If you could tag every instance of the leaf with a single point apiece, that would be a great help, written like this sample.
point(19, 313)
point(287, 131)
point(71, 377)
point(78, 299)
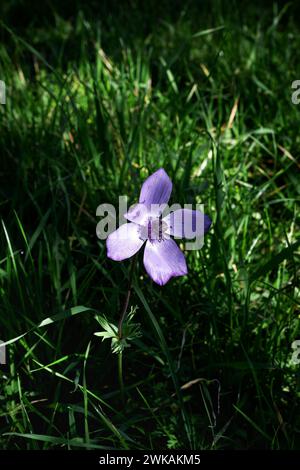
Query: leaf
point(266, 436)
point(49, 320)
point(286, 253)
point(75, 442)
point(130, 331)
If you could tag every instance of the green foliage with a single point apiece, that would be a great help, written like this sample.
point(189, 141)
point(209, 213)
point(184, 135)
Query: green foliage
point(98, 98)
point(130, 331)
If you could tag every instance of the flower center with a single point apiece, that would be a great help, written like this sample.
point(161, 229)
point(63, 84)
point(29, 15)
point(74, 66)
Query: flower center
point(155, 229)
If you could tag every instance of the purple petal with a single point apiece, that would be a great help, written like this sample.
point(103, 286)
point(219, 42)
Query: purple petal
point(156, 189)
point(124, 242)
point(186, 223)
point(163, 260)
point(207, 223)
point(140, 213)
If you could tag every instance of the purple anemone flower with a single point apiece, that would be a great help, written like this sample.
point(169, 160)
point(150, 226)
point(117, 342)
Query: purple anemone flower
point(162, 257)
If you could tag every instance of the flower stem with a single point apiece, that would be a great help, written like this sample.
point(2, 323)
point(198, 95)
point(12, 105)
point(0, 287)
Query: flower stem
point(120, 375)
point(125, 306)
point(120, 328)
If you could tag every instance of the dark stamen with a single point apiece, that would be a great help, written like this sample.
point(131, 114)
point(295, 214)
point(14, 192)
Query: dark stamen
point(149, 229)
point(160, 228)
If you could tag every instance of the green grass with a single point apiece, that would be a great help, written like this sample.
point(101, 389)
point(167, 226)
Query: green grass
point(97, 99)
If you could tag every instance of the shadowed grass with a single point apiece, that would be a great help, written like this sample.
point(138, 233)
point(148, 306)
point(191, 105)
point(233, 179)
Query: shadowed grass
point(95, 103)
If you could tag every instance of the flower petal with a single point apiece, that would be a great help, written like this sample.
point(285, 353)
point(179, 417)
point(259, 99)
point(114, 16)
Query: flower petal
point(141, 213)
point(156, 189)
point(186, 223)
point(163, 260)
point(124, 242)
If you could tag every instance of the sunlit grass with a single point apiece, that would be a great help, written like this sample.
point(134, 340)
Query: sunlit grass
point(91, 111)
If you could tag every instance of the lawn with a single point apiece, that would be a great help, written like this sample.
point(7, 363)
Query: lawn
point(100, 95)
